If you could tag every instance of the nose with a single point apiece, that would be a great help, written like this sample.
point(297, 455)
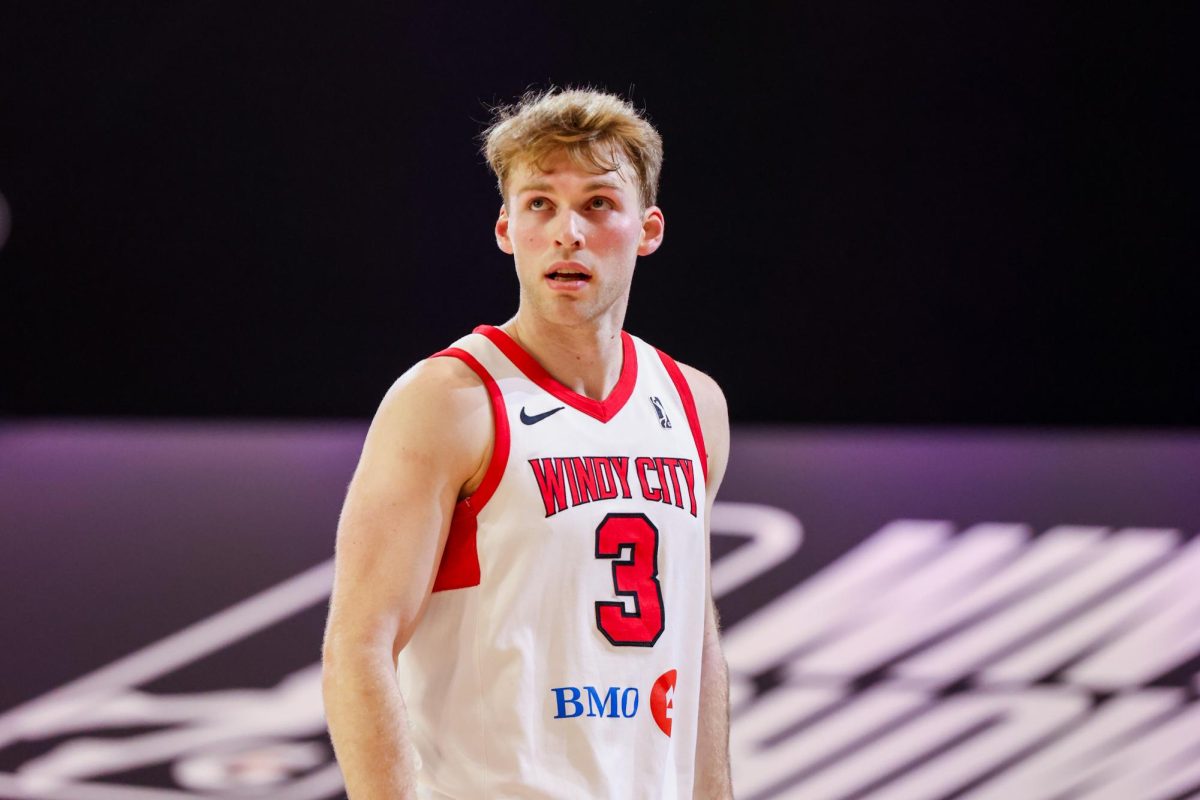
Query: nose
point(570, 230)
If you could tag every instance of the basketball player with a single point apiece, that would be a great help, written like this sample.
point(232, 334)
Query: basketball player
point(527, 530)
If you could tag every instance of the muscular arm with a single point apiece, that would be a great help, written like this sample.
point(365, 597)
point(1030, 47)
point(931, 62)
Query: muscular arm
point(713, 781)
point(427, 445)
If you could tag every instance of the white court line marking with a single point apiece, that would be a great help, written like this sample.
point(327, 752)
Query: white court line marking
point(188, 645)
point(14, 788)
point(775, 535)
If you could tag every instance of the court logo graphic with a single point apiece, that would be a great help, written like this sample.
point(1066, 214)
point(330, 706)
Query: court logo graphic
point(106, 737)
point(990, 663)
point(662, 701)
point(927, 662)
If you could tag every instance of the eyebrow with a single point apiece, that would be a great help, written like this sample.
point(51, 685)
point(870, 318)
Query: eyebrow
point(590, 186)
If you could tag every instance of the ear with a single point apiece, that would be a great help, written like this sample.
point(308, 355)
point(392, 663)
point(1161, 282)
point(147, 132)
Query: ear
point(502, 240)
point(653, 225)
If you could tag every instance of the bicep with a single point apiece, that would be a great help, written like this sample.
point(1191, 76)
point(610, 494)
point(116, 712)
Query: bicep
point(423, 445)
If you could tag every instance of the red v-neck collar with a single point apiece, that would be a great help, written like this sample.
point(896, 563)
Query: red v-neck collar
point(603, 410)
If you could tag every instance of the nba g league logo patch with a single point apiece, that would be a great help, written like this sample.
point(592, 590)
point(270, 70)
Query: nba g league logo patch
point(663, 419)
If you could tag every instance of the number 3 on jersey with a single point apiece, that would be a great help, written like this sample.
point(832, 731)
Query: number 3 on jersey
point(635, 576)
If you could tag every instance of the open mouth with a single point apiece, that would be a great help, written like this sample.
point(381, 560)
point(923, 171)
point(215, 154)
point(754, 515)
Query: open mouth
point(568, 272)
point(562, 275)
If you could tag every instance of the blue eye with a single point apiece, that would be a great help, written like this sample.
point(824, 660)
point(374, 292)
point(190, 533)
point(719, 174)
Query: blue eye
point(537, 203)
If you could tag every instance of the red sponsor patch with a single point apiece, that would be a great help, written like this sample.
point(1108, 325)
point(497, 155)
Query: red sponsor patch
point(662, 701)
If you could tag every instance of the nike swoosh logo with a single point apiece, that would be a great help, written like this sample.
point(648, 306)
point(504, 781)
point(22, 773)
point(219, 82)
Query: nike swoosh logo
point(528, 420)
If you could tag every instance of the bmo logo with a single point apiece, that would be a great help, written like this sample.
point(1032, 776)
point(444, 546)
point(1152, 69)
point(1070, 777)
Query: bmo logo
point(616, 702)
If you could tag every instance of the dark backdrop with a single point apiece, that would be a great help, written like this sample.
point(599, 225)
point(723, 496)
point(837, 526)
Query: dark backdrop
point(877, 212)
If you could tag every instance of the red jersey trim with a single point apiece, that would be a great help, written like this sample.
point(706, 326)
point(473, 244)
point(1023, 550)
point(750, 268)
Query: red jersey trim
point(689, 407)
point(459, 567)
point(603, 410)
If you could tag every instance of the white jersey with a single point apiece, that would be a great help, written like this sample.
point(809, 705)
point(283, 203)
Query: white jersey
point(559, 655)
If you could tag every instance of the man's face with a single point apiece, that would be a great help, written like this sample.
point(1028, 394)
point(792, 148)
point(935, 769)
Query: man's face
point(575, 236)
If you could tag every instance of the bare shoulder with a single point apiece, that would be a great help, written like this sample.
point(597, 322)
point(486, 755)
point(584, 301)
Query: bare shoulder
point(714, 420)
point(437, 414)
point(707, 393)
point(442, 386)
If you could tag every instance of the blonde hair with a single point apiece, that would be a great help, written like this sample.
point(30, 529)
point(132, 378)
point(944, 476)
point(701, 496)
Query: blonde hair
point(593, 128)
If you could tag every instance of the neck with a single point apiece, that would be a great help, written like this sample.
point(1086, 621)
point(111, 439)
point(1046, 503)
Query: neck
point(587, 359)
